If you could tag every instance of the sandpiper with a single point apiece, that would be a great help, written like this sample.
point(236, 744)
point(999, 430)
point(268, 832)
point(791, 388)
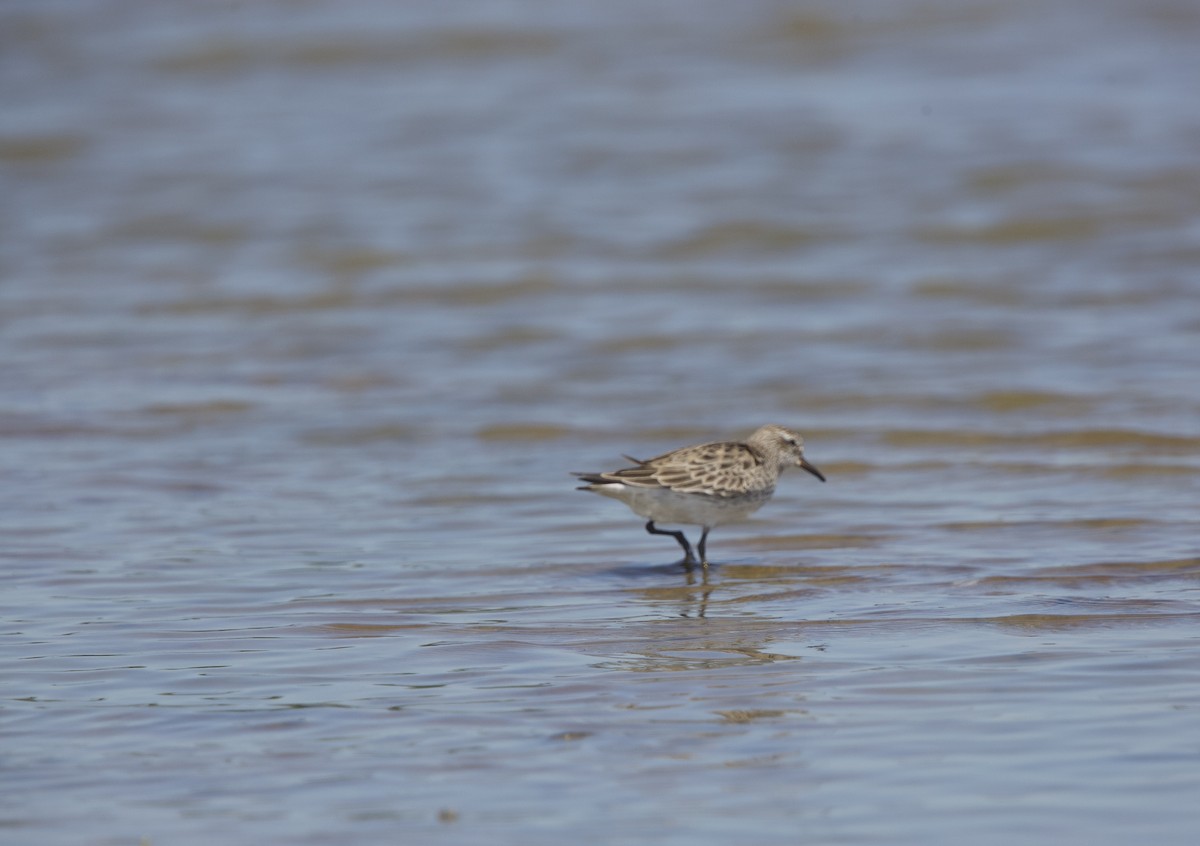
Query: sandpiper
point(706, 484)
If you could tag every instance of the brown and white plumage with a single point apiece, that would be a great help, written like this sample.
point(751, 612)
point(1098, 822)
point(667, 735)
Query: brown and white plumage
point(706, 484)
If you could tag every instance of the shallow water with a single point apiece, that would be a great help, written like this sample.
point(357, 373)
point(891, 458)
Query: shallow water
point(308, 310)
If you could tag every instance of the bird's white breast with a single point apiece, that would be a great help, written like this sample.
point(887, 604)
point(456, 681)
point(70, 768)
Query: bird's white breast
point(667, 506)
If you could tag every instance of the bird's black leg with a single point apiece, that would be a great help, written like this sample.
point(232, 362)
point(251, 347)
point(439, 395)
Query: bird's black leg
point(688, 557)
point(700, 547)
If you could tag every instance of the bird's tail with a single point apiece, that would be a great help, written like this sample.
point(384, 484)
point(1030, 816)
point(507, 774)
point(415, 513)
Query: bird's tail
point(590, 478)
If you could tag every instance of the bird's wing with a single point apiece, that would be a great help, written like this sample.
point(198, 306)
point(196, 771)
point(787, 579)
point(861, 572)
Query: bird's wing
point(717, 469)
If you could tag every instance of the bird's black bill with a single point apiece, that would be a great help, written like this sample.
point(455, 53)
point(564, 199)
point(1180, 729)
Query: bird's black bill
point(811, 468)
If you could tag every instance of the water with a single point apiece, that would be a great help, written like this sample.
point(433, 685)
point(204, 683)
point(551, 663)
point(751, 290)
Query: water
point(308, 309)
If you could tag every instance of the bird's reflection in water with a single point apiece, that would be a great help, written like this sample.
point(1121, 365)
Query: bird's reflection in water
point(696, 579)
point(682, 588)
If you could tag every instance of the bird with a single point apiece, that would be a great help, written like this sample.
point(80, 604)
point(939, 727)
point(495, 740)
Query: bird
point(704, 485)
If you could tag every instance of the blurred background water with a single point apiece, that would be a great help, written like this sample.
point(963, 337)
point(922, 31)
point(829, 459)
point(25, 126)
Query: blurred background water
point(307, 308)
